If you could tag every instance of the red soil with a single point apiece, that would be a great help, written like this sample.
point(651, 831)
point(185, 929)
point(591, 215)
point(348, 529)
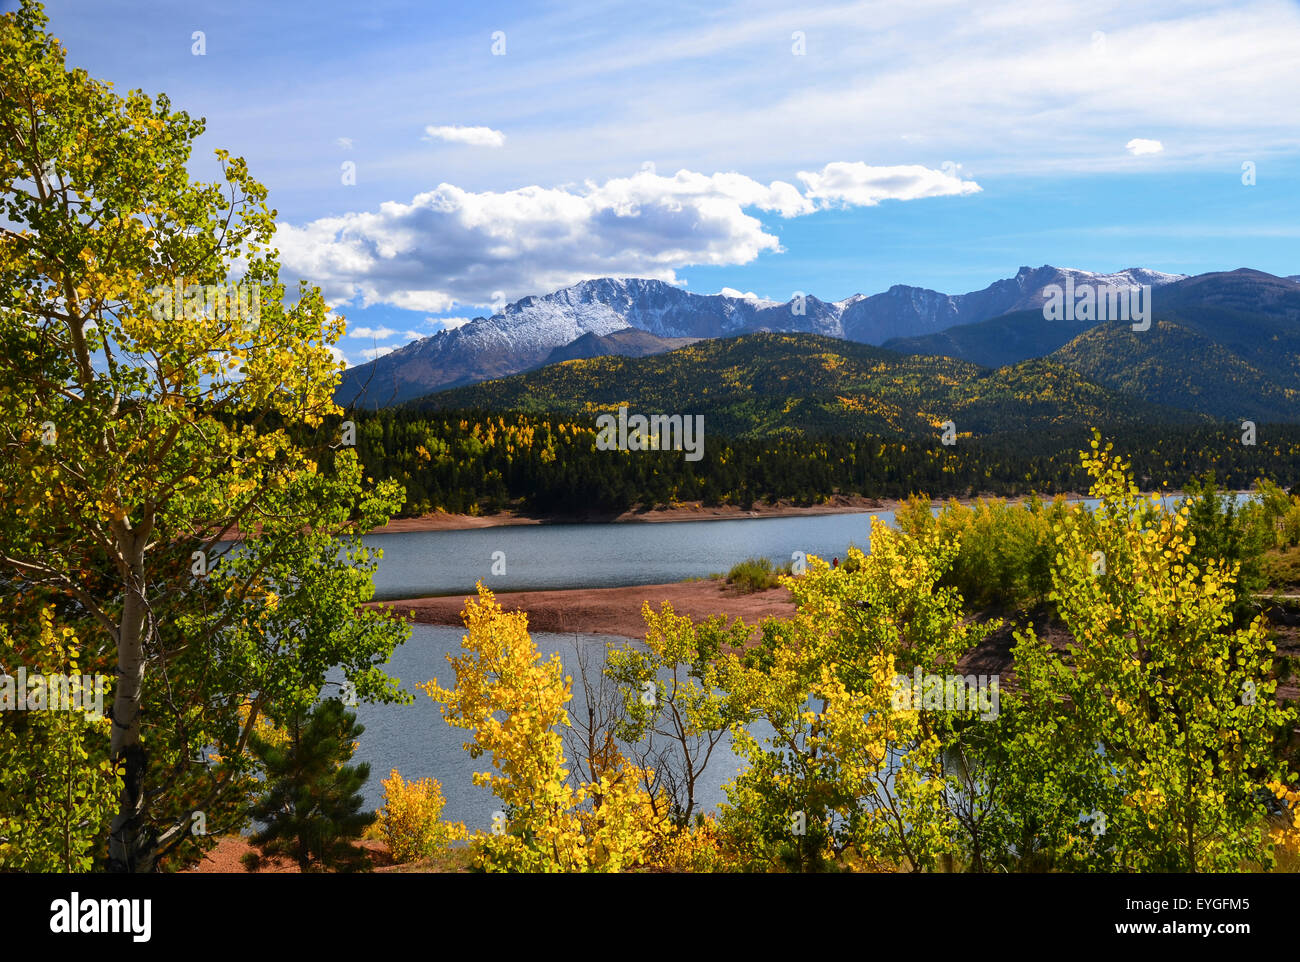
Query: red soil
point(611, 611)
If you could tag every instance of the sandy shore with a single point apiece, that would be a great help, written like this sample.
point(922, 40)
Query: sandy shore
point(689, 511)
point(610, 611)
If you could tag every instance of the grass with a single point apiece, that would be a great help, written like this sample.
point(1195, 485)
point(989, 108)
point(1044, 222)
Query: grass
point(453, 859)
point(1281, 568)
point(755, 574)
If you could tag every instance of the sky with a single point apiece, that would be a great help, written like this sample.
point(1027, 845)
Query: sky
point(431, 160)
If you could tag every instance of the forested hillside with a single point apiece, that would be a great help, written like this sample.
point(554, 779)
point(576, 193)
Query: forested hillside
point(764, 385)
point(478, 461)
point(1176, 362)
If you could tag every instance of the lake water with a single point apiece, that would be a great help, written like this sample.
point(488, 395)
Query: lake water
point(416, 741)
point(552, 556)
point(549, 556)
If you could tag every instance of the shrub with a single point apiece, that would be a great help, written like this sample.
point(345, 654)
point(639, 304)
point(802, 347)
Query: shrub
point(410, 820)
point(514, 703)
point(1236, 535)
point(696, 848)
point(752, 574)
point(1005, 550)
point(1290, 527)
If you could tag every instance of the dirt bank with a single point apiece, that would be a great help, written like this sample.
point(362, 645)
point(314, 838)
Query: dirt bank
point(687, 511)
point(611, 611)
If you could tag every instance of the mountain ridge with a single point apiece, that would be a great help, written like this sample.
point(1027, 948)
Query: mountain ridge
point(525, 333)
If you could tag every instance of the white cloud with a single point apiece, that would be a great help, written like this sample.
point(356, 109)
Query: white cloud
point(857, 184)
point(474, 136)
point(732, 292)
point(1140, 145)
point(339, 356)
point(376, 333)
point(451, 246)
point(720, 89)
point(448, 323)
point(413, 335)
point(1004, 91)
point(370, 353)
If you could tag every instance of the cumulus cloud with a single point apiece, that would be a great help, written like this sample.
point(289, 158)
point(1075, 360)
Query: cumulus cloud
point(1140, 145)
point(451, 246)
point(448, 323)
point(370, 353)
point(474, 136)
point(377, 333)
point(858, 185)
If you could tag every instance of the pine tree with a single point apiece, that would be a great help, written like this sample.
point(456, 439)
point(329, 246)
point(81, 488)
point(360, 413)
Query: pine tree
point(311, 809)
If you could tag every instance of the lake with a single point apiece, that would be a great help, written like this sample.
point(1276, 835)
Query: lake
point(552, 556)
point(417, 742)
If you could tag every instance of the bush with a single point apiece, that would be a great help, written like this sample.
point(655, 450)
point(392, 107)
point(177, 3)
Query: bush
point(1221, 530)
point(753, 574)
point(310, 808)
point(410, 820)
point(1290, 527)
point(695, 849)
point(1005, 553)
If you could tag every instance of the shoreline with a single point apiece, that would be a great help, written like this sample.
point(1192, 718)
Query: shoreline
point(616, 613)
point(689, 511)
point(607, 611)
point(692, 511)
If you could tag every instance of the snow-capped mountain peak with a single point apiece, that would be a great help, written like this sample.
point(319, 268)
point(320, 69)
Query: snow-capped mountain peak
point(524, 333)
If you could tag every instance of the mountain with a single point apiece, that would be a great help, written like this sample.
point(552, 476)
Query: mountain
point(1022, 332)
point(1252, 313)
point(998, 341)
point(803, 384)
point(915, 312)
point(1173, 363)
point(1242, 310)
point(628, 342)
point(525, 333)
point(1225, 344)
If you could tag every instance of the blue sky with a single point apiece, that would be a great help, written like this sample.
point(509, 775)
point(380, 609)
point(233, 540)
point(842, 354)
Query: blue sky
point(831, 149)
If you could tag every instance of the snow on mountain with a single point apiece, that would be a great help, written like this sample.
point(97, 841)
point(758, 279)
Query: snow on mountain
point(524, 333)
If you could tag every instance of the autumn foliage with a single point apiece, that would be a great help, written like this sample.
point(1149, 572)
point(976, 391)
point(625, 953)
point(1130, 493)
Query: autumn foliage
point(513, 702)
point(1150, 744)
point(410, 820)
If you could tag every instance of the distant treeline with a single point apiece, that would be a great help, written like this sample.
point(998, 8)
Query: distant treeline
point(477, 461)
